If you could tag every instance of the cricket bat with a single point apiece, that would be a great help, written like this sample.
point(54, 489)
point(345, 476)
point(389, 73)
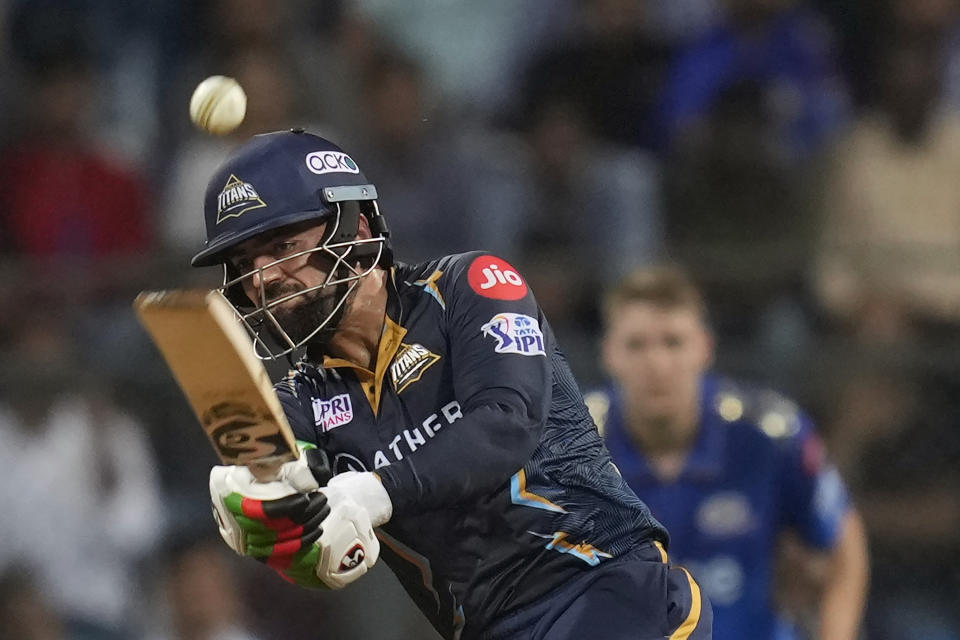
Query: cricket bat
point(212, 358)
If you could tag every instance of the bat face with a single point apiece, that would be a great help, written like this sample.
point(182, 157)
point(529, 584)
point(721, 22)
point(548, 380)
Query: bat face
point(213, 360)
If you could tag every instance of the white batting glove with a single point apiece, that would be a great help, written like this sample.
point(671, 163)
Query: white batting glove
point(311, 537)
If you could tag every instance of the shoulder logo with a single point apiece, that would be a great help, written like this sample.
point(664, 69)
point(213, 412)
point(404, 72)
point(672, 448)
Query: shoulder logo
point(332, 413)
point(321, 162)
point(236, 198)
point(409, 364)
point(515, 333)
point(495, 278)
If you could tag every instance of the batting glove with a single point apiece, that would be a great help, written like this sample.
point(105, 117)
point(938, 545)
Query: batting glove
point(312, 536)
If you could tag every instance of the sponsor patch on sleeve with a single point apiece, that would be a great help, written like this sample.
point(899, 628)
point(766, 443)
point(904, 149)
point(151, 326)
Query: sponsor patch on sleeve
point(515, 333)
point(495, 278)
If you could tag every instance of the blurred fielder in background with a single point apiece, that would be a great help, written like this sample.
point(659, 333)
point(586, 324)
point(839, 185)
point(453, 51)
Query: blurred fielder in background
point(437, 397)
point(727, 468)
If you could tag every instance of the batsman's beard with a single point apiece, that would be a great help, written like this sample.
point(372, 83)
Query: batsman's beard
point(304, 314)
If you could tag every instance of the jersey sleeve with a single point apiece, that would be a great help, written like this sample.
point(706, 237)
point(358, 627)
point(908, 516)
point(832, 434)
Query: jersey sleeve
point(498, 347)
point(297, 407)
point(815, 500)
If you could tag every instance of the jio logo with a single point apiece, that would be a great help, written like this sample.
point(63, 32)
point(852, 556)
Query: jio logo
point(495, 278)
point(494, 274)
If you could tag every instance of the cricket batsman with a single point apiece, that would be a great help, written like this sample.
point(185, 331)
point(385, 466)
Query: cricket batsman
point(441, 425)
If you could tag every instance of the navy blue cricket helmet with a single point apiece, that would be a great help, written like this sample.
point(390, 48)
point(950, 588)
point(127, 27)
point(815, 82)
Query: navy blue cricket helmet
point(278, 179)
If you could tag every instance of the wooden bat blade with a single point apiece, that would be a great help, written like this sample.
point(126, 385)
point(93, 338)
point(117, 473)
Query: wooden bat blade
point(212, 358)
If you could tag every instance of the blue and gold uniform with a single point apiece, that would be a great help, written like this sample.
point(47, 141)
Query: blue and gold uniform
point(505, 501)
point(509, 520)
point(755, 469)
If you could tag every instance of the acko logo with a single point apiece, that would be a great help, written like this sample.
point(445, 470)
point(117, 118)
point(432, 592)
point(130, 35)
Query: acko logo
point(321, 162)
point(332, 413)
point(515, 333)
point(494, 278)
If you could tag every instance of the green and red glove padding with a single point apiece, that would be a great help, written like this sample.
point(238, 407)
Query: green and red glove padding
point(278, 529)
point(311, 536)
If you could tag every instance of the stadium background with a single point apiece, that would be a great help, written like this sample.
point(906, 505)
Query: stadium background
point(801, 157)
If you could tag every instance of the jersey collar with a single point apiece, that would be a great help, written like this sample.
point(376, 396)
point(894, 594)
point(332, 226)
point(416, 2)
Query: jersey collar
point(390, 339)
point(706, 458)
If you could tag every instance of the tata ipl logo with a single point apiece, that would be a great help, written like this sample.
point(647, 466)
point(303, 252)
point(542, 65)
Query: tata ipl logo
point(515, 333)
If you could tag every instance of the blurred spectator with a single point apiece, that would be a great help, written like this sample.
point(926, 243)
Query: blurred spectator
point(441, 185)
point(344, 52)
point(590, 211)
point(593, 209)
point(125, 42)
point(896, 437)
point(201, 592)
point(682, 21)
point(472, 51)
point(739, 215)
point(888, 273)
point(284, 611)
point(8, 83)
point(64, 196)
point(889, 260)
point(24, 612)
point(778, 46)
point(228, 29)
point(612, 68)
point(79, 484)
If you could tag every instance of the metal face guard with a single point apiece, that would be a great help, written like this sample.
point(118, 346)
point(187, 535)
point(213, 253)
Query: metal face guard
point(259, 313)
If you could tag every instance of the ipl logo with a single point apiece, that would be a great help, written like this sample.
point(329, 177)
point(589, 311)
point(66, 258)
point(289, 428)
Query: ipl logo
point(515, 333)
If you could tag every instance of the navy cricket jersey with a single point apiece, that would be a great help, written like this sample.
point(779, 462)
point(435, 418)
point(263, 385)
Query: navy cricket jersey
point(756, 468)
point(502, 488)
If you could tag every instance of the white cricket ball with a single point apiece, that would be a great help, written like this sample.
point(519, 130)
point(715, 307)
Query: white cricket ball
point(218, 105)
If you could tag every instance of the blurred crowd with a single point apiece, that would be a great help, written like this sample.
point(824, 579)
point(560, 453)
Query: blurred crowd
point(800, 157)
